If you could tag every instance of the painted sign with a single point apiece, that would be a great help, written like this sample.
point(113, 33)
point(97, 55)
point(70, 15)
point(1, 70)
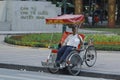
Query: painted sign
point(31, 15)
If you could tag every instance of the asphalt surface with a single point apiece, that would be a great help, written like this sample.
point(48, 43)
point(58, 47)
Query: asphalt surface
point(9, 74)
point(27, 58)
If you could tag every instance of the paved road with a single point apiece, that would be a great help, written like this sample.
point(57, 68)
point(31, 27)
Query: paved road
point(107, 61)
point(11, 54)
point(6, 74)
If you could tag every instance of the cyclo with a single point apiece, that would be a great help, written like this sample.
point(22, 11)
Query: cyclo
point(85, 52)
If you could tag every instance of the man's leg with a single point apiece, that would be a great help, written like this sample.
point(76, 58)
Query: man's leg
point(60, 53)
point(67, 51)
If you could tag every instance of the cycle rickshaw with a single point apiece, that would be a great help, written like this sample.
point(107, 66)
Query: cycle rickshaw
point(85, 52)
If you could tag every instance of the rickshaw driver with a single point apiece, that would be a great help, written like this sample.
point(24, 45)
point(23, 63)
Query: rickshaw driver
point(72, 41)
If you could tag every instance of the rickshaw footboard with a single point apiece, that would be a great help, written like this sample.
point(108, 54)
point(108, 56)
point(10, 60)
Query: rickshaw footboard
point(47, 64)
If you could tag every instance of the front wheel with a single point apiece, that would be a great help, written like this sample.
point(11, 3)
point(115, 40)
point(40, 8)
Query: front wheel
point(90, 56)
point(74, 64)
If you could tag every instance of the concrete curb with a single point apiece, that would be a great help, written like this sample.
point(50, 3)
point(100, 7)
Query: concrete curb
point(43, 69)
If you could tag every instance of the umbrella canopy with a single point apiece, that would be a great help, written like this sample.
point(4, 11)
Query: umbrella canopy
point(66, 19)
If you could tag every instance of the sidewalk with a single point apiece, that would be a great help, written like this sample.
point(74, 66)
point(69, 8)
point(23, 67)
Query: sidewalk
point(17, 57)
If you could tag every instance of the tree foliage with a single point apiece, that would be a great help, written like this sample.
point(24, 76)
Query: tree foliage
point(69, 9)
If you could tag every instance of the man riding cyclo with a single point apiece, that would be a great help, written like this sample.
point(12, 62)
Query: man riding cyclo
point(74, 50)
point(71, 42)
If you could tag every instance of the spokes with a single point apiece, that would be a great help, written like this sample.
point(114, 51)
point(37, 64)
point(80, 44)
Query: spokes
point(90, 56)
point(75, 64)
point(75, 69)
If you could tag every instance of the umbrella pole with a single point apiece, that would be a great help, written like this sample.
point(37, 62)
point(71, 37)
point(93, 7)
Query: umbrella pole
point(49, 46)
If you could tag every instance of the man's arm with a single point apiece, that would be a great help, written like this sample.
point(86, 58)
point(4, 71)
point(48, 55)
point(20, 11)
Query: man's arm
point(81, 39)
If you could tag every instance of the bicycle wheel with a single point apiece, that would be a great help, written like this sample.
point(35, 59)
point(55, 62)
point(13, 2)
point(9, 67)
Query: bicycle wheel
point(53, 70)
point(74, 64)
point(90, 56)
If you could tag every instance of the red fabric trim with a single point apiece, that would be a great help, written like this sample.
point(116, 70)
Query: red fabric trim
point(66, 19)
point(64, 36)
point(54, 51)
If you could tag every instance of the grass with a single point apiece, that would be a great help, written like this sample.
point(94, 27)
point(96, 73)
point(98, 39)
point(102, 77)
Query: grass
point(101, 41)
point(34, 40)
point(106, 42)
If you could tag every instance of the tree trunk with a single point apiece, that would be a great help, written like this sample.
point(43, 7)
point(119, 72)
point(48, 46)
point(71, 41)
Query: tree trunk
point(78, 7)
point(118, 12)
point(111, 13)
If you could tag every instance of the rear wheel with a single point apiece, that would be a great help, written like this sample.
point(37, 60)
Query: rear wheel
point(53, 70)
point(74, 63)
point(90, 56)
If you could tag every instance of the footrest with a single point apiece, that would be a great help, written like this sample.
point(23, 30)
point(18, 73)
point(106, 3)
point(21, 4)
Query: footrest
point(47, 64)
